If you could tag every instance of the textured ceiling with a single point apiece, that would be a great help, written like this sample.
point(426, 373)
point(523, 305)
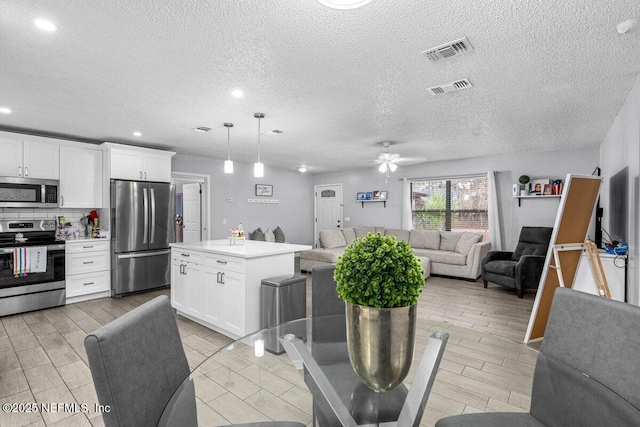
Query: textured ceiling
point(546, 75)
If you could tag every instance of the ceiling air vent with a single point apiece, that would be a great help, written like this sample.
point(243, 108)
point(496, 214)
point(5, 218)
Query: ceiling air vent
point(449, 50)
point(450, 87)
point(202, 129)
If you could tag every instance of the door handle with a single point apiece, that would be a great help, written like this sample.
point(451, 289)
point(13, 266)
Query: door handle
point(26, 171)
point(88, 262)
point(88, 283)
point(145, 175)
point(152, 197)
point(187, 255)
point(221, 262)
point(145, 204)
point(222, 278)
point(19, 170)
point(140, 174)
point(218, 277)
point(61, 200)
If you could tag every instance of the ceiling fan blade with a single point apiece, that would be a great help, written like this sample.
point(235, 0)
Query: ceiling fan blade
point(386, 157)
point(410, 160)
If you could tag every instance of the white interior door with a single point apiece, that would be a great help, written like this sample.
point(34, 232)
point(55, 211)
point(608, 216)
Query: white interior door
point(328, 208)
point(191, 212)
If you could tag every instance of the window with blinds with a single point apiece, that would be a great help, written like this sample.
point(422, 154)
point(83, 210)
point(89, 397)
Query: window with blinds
point(458, 204)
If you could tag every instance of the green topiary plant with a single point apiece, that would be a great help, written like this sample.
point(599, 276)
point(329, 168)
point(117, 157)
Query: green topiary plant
point(379, 271)
point(524, 179)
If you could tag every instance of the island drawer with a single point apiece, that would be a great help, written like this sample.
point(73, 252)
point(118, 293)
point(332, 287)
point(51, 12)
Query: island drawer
point(225, 262)
point(187, 256)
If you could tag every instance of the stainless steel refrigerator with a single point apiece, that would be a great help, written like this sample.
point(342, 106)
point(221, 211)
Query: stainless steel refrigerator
point(142, 226)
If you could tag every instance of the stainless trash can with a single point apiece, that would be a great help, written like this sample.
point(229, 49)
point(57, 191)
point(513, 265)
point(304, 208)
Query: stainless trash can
point(282, 298)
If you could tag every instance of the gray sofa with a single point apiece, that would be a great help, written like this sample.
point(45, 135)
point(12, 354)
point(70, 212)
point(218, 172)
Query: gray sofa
point(457, 254)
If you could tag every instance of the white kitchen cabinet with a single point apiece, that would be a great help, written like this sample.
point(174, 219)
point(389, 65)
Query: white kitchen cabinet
point(80, 178)
point(138, 164)
point(29, 159)
point(87, 269)
point(227, 280)
point(223, 299)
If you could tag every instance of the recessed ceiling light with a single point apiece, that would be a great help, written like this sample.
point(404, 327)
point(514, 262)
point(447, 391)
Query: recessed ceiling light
point(237, 93)
point(5, 110)
point(137, 134)
point(202, 129)
point(302, 169)
point(344, 4)
point(45, 25)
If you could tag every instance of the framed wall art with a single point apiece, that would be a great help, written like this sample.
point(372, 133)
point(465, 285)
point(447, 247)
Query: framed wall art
point(264, 190)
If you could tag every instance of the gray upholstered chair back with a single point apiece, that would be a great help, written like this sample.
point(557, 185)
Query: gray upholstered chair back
point(588, 370)
point(533, 241)
point(324, 297)
point(137, 362)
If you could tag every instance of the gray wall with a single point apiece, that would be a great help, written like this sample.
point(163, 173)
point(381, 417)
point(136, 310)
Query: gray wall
point(294, 213)
point(552, 164)
point(620, 149)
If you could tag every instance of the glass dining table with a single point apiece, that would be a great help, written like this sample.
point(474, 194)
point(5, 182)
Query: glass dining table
point(255, 380)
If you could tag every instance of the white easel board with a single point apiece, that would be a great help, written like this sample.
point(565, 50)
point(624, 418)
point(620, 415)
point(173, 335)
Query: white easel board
point(572, 222)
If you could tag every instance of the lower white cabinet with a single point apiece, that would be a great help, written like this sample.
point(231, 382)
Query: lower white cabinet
point(224, 293)
point(87, 269)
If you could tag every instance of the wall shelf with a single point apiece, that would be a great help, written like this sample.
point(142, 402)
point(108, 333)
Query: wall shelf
point(373, 201)
point(547, 196)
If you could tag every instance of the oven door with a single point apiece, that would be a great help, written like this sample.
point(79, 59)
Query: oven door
point(51, 278)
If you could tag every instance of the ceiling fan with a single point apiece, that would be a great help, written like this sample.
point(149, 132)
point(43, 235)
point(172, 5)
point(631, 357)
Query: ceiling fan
point(389, 161)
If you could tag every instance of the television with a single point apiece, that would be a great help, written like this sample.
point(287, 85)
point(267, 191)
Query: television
point(618, 206)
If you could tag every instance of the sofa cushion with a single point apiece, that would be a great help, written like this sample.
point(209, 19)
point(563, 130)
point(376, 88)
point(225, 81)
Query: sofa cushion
point(502, 267)
point(279, 235)
point(349, 234)
point(269, 236)
point(362, 231)
point(442, 257)
point(449, 240)
point(467, 240)
point(424, 239)
point(398, 234)
point(332, 238)
point(322, 255)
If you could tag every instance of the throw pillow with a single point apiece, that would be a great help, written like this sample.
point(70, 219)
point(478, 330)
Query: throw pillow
point(349, 234)
point(425, 239)
point(467, 240)
point(257, 235)
point(362, 231)
point(449, 240)
point(269, 236)
point(332, 238)
point(279, 234)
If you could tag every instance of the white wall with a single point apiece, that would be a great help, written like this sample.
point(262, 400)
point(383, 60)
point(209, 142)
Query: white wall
point(620, 149)
point(538, 165)
point(294, 213)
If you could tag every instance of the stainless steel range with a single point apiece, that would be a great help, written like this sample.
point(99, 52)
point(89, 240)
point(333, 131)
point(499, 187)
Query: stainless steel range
point(31, 266)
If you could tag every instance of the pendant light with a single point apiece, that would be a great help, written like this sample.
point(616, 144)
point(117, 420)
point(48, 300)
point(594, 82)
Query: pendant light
point(228, 164)
point(258, 168)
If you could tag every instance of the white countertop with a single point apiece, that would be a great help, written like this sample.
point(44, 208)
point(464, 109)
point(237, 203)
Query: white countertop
point(84, 240)
point(250, 248)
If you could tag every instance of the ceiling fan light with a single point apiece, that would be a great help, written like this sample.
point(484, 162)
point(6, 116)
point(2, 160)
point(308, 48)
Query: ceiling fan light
point(393, 167)
point(344, 4)
point(383, 167)
point(228, 166)
point(258, 170)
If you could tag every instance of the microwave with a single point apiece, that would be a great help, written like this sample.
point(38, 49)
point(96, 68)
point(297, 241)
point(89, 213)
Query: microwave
point(28, 193)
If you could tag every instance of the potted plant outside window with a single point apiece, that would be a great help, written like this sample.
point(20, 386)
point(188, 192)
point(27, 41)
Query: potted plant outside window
point(380, 280)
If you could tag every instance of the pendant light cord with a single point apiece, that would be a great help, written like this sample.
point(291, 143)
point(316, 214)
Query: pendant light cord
point(258, 139)
point(228, 144)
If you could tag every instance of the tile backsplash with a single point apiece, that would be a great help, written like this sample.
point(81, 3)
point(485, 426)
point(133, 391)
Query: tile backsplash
point(71, 215)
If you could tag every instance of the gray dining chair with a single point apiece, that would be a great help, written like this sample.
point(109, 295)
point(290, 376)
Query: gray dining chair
point(137, 362)
point(587, 373)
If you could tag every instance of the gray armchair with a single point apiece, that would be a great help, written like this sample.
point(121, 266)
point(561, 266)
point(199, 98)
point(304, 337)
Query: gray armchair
point(586, 373)
point(522, 268)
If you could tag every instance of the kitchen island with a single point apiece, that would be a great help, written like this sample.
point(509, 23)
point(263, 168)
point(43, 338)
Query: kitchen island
point(218, 285)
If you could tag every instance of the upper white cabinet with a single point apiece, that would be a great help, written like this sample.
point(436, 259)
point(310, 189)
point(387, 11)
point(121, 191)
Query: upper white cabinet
point(138, 164)
point(29, 159)
point(80, 177)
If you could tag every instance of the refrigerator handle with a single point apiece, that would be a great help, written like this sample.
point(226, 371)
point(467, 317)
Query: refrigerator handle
point(153, 215)
point(145, 204)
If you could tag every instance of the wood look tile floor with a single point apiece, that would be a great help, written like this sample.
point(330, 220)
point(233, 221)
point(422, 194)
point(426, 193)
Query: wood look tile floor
point(42, 357)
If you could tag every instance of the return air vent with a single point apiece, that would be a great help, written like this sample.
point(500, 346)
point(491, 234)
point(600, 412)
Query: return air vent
point(449, 50)
point(202, 129)
point(450, 87)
